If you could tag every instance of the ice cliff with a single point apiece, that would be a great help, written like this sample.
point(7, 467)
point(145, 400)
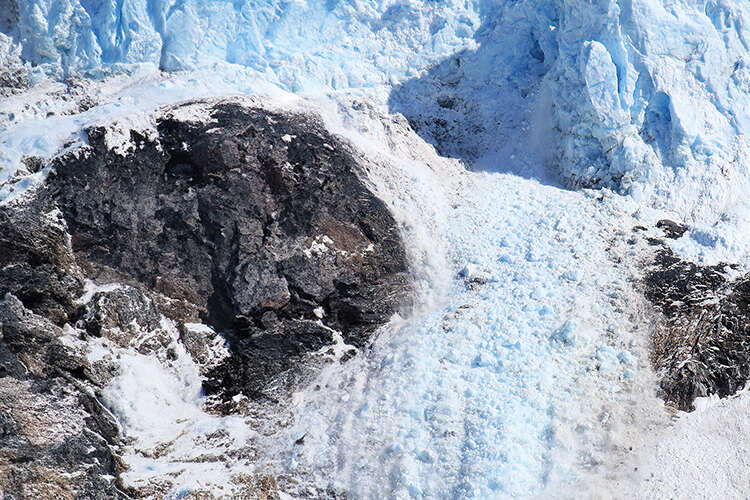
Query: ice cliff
point(642, 96)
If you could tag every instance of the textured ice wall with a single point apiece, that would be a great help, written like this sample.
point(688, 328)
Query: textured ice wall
point(299, 45)
point(650, 97)
point(657, 91)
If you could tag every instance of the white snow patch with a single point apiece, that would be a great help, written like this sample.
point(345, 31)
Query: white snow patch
point(90, 289)
point(118, 138)
point(159, 404)
point(320, 245)
point(703, 454)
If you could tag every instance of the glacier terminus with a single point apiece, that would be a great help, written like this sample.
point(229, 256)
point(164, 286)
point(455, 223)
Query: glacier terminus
point(364, 249)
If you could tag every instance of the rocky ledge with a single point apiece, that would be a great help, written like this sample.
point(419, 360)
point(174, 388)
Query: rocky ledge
point(257, 223)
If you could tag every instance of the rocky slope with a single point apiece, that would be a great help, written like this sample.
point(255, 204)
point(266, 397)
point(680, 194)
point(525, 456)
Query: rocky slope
point(256, 223)
point(701, 341)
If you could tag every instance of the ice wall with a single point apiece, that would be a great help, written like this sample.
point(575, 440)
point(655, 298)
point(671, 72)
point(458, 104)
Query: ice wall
point(300, 45)
point(648, 97)
point(652, 96)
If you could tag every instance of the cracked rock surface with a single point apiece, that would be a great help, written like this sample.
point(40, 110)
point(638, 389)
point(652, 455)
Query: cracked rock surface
point(256, 223)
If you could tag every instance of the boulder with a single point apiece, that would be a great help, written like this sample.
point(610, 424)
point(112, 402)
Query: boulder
point(701, 345)
point(260, 221)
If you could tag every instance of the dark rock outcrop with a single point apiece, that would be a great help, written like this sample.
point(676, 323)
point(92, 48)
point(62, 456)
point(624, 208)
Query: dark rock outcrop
point(55, 436)
point(257, 223)
point(36, 261)
point(671, 229)
point(254, 221)
point(702, 346)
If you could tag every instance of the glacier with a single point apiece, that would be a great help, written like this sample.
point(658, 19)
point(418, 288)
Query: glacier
point(539, 132)
point(640, 96)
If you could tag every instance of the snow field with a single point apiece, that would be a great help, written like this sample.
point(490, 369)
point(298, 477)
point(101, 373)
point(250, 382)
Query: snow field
point(516, 386)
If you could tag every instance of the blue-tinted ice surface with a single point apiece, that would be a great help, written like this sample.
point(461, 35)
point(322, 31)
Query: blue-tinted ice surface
point(645, 96)
point(508, 386)
point(505, 390)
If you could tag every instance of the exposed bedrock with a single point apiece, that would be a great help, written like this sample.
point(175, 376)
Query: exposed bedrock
point(252, 221)
point(257, 223)
point(55, 436)
point(701, 346)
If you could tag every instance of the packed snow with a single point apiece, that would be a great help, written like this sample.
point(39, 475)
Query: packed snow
point(524, 370)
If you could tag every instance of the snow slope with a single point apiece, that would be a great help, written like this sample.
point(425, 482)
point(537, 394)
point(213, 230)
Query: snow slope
point(706, 444)
point(525, 372)
point(481, 397)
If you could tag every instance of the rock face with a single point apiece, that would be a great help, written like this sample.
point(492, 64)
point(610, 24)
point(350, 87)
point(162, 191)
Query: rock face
point(703, 344)
point(36, 261)
point(55, 436)
point(256, 223)
point(125, 316)
point(250, 220)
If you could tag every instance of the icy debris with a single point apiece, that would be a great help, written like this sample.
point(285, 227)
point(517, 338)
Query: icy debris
point(476, 380)
point(627, 359)
point(157, 399)
point(568, 333)
point(571, 275)
point(473, 273)
point(607, 360)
